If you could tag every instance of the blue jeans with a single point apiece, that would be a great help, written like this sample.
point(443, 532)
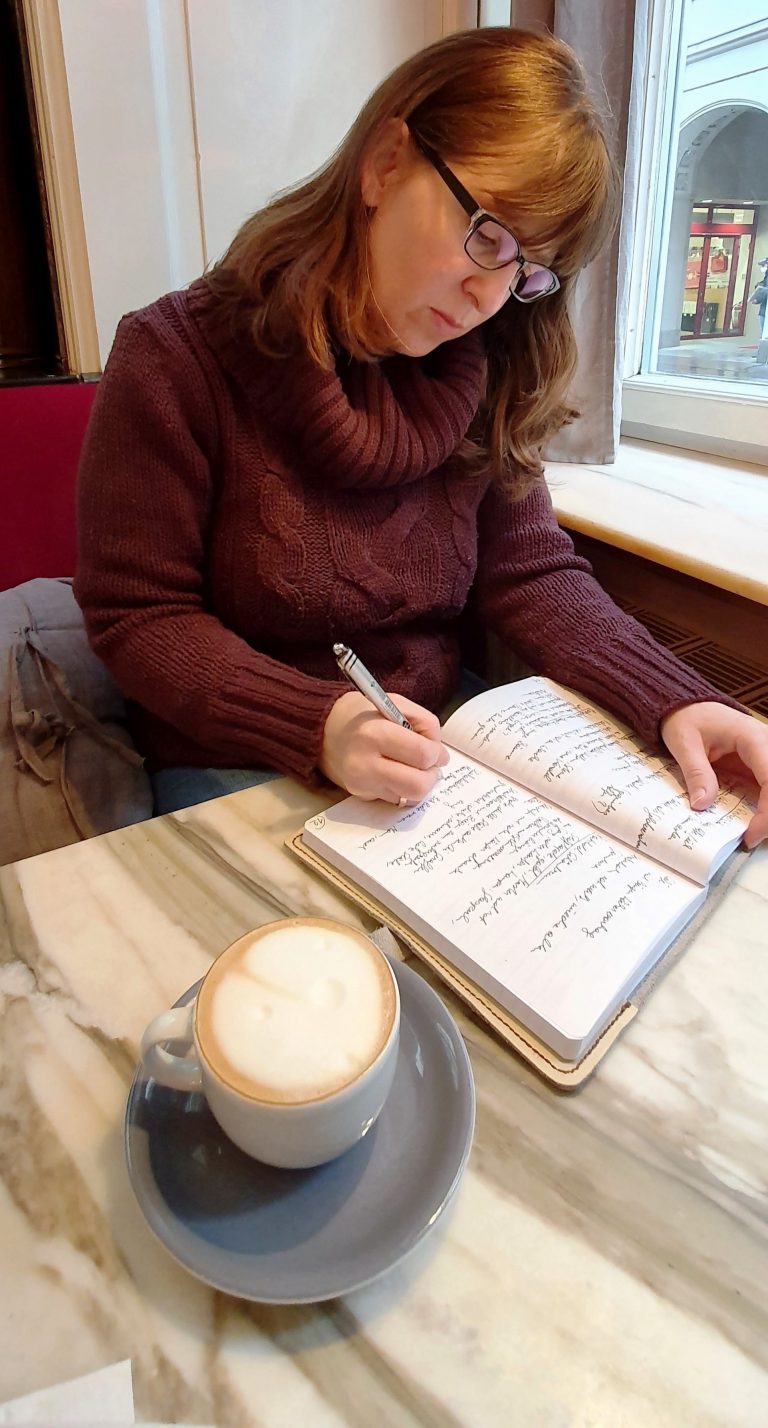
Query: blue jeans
point(181, 787)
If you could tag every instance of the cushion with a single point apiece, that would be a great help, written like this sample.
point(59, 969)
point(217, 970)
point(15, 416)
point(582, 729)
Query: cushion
point(43, 425)
point(68, 768)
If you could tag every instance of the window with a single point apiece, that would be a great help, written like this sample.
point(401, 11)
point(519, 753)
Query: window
point(696, 369)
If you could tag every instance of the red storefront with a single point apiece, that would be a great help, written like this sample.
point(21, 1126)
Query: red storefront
point(718, 270)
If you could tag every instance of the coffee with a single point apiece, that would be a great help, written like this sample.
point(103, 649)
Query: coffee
point(293, 1038)
point(295, 1012)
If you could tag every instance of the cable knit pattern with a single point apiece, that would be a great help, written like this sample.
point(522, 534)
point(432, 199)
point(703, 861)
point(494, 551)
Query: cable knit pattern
point(238, 514)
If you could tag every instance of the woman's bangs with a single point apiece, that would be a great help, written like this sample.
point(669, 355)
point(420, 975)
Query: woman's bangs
point(561, 203)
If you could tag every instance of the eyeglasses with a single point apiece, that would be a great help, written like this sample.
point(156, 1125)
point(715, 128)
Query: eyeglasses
point(488, 241)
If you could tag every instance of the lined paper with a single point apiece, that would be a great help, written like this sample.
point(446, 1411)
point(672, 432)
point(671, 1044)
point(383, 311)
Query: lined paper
point(554, 919)
point(582, 759)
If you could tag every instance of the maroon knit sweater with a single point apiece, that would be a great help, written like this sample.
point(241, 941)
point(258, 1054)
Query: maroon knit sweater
point(238, 514)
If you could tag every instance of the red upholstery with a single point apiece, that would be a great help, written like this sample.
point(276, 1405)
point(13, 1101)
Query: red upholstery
point(41, 432)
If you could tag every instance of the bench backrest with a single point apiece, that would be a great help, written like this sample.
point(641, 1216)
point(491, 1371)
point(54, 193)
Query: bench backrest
point(41, 433)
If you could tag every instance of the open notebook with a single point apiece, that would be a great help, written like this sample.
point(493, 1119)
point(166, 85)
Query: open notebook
point(552, 865)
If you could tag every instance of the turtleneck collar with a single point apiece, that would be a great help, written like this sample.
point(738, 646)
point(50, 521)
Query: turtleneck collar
point(366, 424)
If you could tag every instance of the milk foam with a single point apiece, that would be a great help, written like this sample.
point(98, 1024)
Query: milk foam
point(301, 1012)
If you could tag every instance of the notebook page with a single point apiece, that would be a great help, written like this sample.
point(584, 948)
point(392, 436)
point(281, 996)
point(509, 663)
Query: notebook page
point(553, 919)
point(583, 759)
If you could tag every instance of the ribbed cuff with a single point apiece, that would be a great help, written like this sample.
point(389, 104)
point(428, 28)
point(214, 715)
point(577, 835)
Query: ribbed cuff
point(275, 718)
point(641, 684)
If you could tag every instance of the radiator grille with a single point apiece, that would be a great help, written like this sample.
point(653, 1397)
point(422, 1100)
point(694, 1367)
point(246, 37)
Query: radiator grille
point(742, 679)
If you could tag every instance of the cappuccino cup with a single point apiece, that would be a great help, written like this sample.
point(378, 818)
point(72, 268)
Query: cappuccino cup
point(292, 1038)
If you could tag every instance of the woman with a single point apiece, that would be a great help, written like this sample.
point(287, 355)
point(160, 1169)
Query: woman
point(760, 295)
point(335, 435)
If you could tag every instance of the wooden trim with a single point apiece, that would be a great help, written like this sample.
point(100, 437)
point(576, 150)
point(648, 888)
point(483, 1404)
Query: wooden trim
point(62, 184)
point(195, 133)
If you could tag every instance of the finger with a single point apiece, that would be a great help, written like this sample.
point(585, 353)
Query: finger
point(400, 784)
point(391, 781)
point(757, 830)
point(732, 767)
point(423, 720)
point(406, 746)
point(687, 747)
point(752, 749)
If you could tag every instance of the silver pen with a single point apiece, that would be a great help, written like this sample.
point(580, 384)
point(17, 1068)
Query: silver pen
point(363, 680)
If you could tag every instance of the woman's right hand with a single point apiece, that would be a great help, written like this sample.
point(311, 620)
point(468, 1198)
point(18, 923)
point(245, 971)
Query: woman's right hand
point(371, 757)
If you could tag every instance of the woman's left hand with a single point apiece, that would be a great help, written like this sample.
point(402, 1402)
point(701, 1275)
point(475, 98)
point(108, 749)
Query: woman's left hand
point(702, 735)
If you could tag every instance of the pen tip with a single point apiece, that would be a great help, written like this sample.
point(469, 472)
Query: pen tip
point(339, 650)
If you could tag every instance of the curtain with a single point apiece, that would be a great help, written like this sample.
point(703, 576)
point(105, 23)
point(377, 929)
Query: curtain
point(611, 40)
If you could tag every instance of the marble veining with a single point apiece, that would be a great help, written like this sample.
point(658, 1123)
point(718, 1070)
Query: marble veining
point(605, 1264)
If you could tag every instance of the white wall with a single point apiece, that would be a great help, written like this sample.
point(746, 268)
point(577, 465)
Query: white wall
point(277, 85)
point(736, 19)
point(129, 95)
point(726, 57)
point(264, 89)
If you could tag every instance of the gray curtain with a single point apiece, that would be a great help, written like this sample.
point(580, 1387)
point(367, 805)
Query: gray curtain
point(611, 39)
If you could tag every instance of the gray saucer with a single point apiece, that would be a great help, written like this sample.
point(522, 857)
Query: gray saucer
point(297, 1236)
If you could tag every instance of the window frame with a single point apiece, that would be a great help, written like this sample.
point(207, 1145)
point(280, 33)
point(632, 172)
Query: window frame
point(719, 417)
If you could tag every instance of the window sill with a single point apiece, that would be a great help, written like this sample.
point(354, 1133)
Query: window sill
point(702, 515)
point(714, 417)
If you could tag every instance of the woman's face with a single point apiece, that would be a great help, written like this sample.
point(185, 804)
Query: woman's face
point(426, 288)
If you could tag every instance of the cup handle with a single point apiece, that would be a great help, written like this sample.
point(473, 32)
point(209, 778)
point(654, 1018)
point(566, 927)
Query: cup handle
point(182, 1073)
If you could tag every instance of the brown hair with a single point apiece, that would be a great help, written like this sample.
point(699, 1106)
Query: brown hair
point(497, 100)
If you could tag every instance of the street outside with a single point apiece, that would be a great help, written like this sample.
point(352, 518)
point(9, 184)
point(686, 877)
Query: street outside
point(730, 358)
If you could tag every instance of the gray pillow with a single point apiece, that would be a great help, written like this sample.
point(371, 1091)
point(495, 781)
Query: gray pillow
point(68, 768)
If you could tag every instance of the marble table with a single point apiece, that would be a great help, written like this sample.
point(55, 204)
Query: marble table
point(606, 1261)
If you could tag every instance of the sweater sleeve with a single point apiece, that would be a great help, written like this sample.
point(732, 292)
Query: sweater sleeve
point(543, 600)
point(145, 495)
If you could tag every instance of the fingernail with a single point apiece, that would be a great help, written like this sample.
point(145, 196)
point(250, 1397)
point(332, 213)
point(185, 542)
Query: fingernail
point(700, 796)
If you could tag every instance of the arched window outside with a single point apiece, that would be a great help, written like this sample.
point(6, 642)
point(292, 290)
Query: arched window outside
point(718, 240)
point(696, 357)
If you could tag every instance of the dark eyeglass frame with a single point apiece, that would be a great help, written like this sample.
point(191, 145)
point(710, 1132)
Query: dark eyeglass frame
point(478, 215)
